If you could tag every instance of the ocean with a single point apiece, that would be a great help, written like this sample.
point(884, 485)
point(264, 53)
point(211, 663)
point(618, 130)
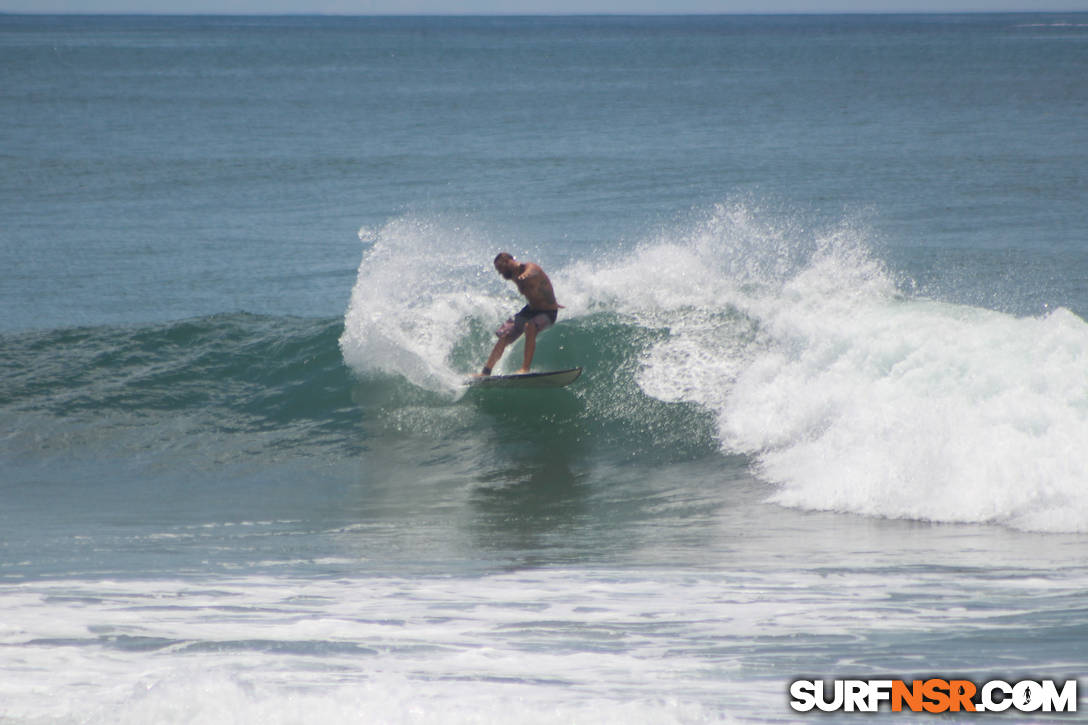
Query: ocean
point(827, 277)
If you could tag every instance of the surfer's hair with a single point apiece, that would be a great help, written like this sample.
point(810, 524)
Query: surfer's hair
point(503, 257)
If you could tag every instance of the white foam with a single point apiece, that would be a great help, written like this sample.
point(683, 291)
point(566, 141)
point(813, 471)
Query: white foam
point(214, 699)
point(531, 648)
point(540, 645)
point(850, 396)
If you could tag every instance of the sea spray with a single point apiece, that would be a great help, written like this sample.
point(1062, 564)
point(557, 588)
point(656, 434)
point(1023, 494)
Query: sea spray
point(851, 395)
point(420, 283)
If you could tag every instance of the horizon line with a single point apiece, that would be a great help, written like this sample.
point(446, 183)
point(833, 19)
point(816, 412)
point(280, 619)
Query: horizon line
point(259, 14)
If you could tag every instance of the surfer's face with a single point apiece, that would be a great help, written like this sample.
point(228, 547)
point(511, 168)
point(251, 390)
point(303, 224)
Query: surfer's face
point(508, 268)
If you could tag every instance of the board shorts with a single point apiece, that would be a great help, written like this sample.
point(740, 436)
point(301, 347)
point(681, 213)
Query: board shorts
point(515, 326)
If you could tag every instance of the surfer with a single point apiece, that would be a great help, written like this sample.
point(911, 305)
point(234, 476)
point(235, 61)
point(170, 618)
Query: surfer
point(534, 318)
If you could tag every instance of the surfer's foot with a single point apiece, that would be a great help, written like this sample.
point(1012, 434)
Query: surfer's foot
point(523, 371)
point(485, 373)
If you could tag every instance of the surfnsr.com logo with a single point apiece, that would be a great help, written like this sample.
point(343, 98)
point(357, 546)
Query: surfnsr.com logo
point(934, 695)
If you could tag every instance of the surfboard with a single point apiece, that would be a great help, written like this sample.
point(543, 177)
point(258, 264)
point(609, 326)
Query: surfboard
point(552, 379)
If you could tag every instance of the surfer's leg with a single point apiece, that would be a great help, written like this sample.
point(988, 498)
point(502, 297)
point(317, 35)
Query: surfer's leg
point(530, 346)
point(496, 355)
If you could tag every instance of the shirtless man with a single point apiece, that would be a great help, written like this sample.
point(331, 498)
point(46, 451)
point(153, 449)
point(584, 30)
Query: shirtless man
point(534, 318)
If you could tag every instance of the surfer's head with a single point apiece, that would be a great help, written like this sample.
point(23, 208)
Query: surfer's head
point(506, 265)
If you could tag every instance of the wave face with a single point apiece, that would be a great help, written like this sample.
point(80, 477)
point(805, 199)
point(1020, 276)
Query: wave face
point(795, 347)
point(195, 380)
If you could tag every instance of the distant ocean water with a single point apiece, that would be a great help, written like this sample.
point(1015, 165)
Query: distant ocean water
point(826, 275)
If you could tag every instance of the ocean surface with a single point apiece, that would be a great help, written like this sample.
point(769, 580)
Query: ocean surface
point(827, 275)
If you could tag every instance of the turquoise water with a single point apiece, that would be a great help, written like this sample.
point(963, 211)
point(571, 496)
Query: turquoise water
point(826, 276)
